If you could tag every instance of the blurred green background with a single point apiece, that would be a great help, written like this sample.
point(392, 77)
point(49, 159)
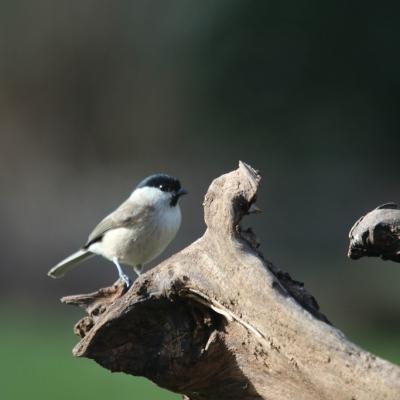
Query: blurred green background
point(95, 95)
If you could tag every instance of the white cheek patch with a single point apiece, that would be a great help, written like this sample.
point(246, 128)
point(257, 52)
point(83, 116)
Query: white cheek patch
point(149, 195)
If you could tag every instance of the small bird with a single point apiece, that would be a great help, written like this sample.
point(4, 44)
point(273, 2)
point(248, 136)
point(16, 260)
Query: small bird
point(137, 231)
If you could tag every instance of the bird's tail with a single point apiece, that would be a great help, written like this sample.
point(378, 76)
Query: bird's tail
point(69, 263)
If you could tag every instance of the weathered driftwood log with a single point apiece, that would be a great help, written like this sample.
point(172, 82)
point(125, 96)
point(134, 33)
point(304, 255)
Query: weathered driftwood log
point(377, 234)
point(218, 321)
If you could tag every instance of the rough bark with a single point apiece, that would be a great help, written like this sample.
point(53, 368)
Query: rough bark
point(377, 234)
point(218, 321)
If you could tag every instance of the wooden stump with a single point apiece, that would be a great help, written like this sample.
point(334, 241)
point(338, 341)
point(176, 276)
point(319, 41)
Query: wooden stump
point(218, 321)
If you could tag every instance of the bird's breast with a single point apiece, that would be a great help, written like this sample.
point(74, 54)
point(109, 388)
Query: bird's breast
point(144, 241)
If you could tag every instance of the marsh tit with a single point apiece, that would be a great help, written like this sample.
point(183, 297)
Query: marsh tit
point(137, 231)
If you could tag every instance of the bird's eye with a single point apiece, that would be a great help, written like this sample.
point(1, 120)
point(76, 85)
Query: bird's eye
point(161, 187)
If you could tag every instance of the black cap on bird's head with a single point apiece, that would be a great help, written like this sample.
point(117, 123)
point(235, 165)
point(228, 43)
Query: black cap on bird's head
point(165, 183)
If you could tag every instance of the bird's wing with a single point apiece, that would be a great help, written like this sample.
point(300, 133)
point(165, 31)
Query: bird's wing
point(127, 214)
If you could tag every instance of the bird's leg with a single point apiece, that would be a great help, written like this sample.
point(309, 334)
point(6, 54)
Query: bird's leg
point(137, 269)
point(125, 278)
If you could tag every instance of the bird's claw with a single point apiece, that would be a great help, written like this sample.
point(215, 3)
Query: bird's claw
point(127, 281)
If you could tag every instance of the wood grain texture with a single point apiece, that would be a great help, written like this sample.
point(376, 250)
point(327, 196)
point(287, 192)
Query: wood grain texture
point(218, 321)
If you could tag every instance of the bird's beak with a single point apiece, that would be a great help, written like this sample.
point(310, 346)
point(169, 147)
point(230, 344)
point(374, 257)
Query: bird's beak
point(182, 192)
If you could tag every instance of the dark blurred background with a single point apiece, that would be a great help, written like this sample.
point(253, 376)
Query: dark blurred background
point(95, 95)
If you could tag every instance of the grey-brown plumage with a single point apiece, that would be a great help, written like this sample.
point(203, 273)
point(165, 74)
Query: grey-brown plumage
point(125, 215)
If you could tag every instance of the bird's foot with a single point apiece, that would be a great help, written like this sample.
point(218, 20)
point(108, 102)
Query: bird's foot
point(127, 281)
point(124, 278)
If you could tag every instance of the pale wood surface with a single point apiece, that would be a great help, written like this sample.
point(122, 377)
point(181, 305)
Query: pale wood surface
point(218, 321)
